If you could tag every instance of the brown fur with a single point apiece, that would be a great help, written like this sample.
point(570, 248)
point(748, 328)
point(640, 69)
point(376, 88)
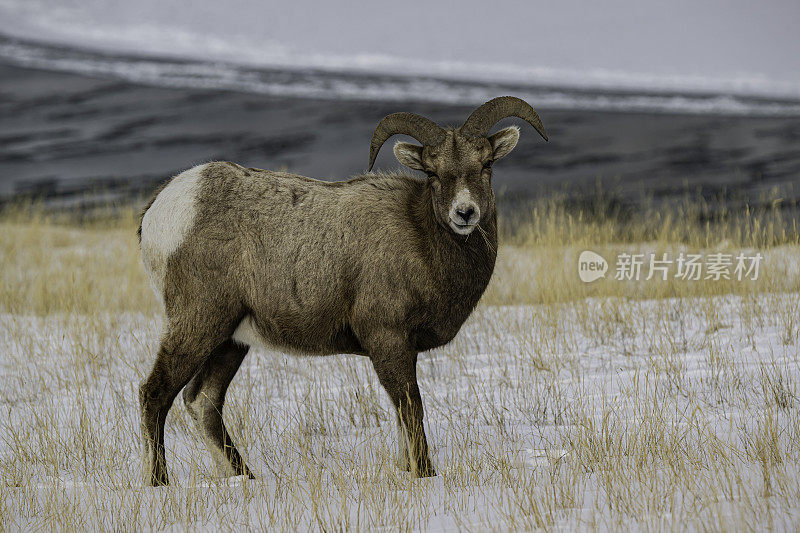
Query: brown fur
point(366, 266)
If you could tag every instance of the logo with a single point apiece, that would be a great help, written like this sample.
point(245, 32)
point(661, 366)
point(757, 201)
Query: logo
point(591, 266)
point(685, 266)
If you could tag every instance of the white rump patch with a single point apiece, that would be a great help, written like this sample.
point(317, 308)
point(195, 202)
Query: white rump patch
point(167, 222)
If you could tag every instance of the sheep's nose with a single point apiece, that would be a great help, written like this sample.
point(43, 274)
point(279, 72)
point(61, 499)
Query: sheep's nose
point(465, 212)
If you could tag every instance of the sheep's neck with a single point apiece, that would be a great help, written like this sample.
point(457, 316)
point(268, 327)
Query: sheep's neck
point(464, 263)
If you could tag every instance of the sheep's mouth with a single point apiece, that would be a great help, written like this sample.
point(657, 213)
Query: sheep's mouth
point(461, 229)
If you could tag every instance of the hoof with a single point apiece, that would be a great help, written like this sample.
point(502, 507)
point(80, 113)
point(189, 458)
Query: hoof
point(430, 472)
point(157, 481)
point(425, 470)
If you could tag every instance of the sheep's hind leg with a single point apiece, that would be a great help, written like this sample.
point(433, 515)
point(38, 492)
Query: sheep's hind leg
point(204, 397)
point(180, 356)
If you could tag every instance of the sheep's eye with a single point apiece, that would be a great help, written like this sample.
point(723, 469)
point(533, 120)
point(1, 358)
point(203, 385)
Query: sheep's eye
point(431, 175)
point(488, 165)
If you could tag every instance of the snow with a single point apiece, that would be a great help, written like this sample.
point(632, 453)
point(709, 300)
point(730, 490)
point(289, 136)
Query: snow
point(597, 413)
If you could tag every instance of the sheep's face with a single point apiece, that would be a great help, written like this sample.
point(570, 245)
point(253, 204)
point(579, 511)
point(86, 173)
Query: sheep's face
point(459, 173)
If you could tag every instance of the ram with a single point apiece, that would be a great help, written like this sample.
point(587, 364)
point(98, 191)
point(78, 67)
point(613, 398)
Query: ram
point(383, 265)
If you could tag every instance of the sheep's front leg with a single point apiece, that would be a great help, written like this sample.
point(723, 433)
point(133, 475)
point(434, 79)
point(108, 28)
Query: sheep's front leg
point(397, 372)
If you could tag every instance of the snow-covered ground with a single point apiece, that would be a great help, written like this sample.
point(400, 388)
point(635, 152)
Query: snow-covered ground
point(599, 413)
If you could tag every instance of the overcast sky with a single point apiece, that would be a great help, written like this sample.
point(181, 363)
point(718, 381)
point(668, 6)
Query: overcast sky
point(625, 43)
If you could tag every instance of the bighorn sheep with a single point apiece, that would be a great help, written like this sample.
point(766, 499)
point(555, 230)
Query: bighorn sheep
point(380, 265)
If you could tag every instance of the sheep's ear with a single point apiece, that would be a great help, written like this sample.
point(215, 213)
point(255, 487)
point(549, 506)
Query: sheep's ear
point(504, 141)
point(409, 155)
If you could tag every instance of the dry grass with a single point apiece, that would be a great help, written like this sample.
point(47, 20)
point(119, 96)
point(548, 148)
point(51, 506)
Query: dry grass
point(55, 263)
point(657, 405)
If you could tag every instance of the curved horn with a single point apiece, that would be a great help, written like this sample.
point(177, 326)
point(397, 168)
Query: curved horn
point(422, 129)
point(482, 119)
